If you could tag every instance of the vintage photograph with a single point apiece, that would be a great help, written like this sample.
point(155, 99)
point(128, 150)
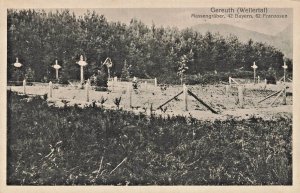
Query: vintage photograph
point(150, 96)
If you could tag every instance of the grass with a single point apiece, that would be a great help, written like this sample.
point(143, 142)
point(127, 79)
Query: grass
point(70, 145)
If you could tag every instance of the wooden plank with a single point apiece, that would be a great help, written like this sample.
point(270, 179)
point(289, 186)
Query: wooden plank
point(71, 83)
point(269, 96)
point(241, 96)
point(185, 99)
point(50, 90)
point(280, 92)
point(169, 100)
point(202, 102)
point(235, 81)
point(284, 96)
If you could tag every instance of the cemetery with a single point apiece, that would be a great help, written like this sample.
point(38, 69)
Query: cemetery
point(98, 102)
point(218, 101)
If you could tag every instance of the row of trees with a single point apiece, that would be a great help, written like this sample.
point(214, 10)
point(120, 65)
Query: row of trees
point(38, 38)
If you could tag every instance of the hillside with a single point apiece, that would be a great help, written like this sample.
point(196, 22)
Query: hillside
point(282, 40)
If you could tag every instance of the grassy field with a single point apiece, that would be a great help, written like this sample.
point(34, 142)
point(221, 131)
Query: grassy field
point(71, 145)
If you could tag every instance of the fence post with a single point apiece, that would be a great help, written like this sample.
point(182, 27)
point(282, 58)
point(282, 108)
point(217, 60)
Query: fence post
point(265, 84)
point(284, 96)
point(155, 82)
point(129, 95)
point(229, 80)
point(185, 97)
point(145, 85)
point(50, 89)
point(241, 97)
point(227, 88)
point(24, 86)
point(87, 85)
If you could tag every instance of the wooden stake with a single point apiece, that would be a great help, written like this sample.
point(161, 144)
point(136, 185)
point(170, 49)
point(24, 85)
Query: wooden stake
point(155, 82)
point(269, 96)
point(87, 85)
point(50, 89)
point(185, 99)
point(280, 92)
point(241, 96)
point(24, 86)
point(129, 96)
point(234, 81)
point(169, 100)
point(227, 88)
point(202, 102)
point(284, 96)
point(229, 80)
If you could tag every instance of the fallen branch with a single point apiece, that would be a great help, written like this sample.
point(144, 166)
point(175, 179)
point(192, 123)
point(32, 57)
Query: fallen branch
point(100, 167)
point(118, 165)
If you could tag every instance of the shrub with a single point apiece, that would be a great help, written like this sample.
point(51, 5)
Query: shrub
point(101, 89)
point(117, 101)
point(125, 75)
point(101, 78)
point(29, 74)
point(70, 145)
point(102, 100)
point(135, 85)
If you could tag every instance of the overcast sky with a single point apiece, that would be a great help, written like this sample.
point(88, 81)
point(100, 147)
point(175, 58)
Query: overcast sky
point(181, 18)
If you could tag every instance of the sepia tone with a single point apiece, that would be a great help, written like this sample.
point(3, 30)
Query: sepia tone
point(150, 96)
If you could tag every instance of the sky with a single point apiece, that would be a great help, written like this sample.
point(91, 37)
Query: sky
point(181, 18)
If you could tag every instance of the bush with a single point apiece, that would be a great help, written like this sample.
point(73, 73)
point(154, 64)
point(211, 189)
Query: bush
point(70, 145)
point(63, 80)
point(101, 78)
point(101, 89)
point(125, 75)
point(208, 77)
